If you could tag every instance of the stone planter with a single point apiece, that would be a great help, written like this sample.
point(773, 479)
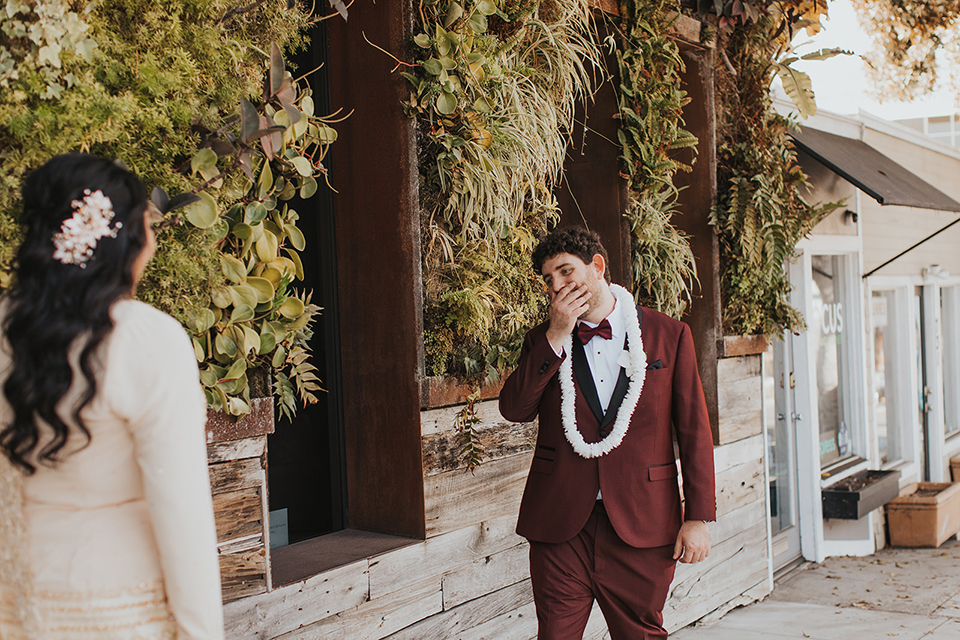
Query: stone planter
point(859, 494)
point(925, 516)
point(237, 459)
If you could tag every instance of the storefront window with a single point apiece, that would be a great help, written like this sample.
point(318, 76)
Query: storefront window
point(950, 343)
point(829, 328)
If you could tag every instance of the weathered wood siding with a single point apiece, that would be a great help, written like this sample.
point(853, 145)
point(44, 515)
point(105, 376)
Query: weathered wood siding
point(238, 483)
point(470, 580)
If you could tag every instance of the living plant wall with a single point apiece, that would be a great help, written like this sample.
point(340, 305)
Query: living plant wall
point(494, 90)
point(193, 96)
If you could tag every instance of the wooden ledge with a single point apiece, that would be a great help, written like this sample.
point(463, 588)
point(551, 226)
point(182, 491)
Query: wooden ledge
point(733, 346)
point(438, 392)
point(308, 558)
point(222, 427)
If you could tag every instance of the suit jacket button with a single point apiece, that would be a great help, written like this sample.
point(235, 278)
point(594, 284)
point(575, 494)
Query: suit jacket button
point(603, 434)
point(544, 367)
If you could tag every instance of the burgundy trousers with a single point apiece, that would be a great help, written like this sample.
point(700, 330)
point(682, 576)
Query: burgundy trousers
point(629, 584)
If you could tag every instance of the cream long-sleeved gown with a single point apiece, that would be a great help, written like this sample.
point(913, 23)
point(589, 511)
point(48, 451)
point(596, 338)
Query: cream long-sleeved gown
point(119, 537)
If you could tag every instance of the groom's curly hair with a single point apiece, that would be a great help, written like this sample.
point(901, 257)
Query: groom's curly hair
point(576, 241)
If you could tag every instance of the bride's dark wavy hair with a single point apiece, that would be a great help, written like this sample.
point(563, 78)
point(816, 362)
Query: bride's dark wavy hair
point(51, 304)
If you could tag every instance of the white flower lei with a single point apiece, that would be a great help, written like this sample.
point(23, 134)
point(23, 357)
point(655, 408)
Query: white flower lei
point(633, 361)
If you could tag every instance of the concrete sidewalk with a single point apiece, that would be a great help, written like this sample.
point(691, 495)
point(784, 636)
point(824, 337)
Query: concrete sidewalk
point(895, 593)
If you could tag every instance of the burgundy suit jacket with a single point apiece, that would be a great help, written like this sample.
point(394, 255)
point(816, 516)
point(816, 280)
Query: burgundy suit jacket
point(638, 479)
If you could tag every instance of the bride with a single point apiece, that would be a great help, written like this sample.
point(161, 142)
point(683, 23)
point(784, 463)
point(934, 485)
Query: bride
point(106, 521)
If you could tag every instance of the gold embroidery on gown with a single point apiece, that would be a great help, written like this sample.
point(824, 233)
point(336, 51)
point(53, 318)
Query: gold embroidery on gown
point(134, 614)
point(14, 576)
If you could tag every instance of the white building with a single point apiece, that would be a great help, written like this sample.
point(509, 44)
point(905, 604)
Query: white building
point(874, 382)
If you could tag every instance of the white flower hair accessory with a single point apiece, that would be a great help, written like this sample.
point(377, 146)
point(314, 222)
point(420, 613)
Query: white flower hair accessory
point(79, 234)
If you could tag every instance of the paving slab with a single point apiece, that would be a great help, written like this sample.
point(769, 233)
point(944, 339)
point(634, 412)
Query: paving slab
point(781, 620)
point(908, 594)
point(917, 581)
point(949, 630)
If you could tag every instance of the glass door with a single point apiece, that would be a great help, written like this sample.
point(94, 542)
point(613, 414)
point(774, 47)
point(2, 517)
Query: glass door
point(780, 437)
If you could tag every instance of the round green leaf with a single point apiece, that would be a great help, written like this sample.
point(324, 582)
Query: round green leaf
point(226, 345)
point(233, 269)
point(198, 351)
point(296, 236)
point(487, 7)
point(298, 265)
point(273, 275)
point(268, 341)
point(481, 105)
point(303, 166)
point(237, 369)
point(422, 40)
point(265, 289)
point(432, 66)
point(221, 297)
point(220, 230)
point(327, 135)
point(306, 105)
point(289, 190)
point(204, 159)
point(279, 357)
point(243, 295)
point(203, 213)
point(308, 188)
point(292, 308)
point(254, 213)
point(242, 230)
point(241, 313)
point(251, 340)
point(446, 103)
point(204, 320)
point(267, 247)
point(454, 12)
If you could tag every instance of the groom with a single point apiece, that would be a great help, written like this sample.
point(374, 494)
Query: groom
point(612, 386)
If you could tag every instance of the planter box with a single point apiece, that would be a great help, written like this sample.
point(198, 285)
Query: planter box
point(925, 516)
point(857, 495)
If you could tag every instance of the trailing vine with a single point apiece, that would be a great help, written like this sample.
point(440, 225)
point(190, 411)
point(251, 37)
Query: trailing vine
point(761, 213)
point(651, 101)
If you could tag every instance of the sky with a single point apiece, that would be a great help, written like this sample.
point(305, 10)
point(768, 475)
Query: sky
point(840, 84)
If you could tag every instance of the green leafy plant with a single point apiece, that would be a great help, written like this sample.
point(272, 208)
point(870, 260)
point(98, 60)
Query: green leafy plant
point(761, 213)
point(134, 83)
point(651, 101)
point(256, 164)
point(493, 89)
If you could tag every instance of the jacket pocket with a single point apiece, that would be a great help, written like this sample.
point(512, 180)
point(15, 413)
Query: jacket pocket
point(541, 464)
point(662, 471)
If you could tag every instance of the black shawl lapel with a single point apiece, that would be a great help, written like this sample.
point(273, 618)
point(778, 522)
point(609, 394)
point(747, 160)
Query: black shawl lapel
point(585, 378)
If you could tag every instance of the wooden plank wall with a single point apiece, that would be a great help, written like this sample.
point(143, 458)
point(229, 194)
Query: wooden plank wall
point(238, 483)
point(469, 579)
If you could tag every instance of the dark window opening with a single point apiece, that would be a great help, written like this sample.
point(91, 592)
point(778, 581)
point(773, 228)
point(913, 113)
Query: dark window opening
point(306, 466)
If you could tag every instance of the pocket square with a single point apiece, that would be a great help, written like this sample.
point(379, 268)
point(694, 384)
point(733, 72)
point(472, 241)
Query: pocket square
point(656, 364)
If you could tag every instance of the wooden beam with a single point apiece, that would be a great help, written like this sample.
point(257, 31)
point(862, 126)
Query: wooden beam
point(374, 169)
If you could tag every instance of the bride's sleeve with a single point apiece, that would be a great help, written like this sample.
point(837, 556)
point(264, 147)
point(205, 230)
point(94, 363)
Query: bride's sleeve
point(157, 390)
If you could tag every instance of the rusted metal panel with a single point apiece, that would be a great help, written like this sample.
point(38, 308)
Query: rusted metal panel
point(378, 251)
